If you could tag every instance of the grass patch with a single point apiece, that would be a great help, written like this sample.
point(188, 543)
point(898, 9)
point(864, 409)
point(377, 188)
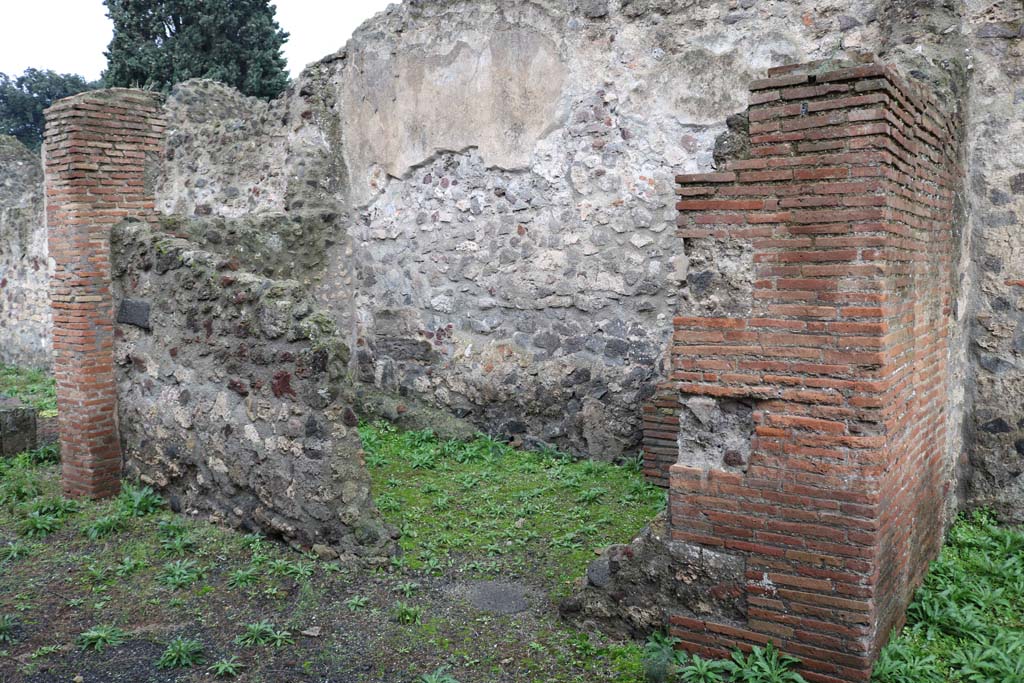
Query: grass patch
point(487, 509)
point(34, 387)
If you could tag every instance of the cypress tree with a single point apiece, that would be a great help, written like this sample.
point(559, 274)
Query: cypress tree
point(158, 43)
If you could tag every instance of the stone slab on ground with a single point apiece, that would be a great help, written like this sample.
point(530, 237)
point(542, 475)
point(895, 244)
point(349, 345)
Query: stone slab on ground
point(497, 597)
point(17, 427)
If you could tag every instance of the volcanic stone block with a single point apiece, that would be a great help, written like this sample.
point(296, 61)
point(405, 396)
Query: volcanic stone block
point(17, 427)
point(134, 312)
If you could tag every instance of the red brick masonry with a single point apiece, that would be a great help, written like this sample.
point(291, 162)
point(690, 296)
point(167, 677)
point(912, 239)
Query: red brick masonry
point(95, 149)
point(847, 204)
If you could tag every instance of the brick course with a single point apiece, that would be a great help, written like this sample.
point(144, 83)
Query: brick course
point(95, 149)
point(847, 204)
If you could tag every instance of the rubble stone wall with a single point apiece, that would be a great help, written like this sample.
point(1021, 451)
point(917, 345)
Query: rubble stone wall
point(994, 207)
point(500, 177)
point(232, 396)
point(25, 269)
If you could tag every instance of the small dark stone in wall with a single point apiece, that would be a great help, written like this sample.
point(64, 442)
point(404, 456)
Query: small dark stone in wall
point(1019, 446)
point(1017, 184)
point(515, 427)
point(349, 418)
point(599, 573)
point(282, 385)
point(594, 9)
point(238, 387)
point(997, 426)
point(846, 22)
point(734, 459)
point(998, 30)
point(995, 364)
point(699, 282)
point(547, 340)
point(999, 198)
point(134, 312)
point(616, 348)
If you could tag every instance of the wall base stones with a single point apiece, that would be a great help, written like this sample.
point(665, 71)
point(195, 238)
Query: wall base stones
point(633, 589)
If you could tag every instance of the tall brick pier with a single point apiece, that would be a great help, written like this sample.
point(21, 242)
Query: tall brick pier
point(95, 150)
point(828, 492)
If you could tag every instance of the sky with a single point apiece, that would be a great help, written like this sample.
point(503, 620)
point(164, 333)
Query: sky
point(69, 36)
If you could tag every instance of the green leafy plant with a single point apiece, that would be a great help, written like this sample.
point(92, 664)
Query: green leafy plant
point(900, 663)
point(15, 550)
point(44, 650)
point(293, 569)
point(138, 501)
point(661, 659)
point(105, 526)
point(407, 614)
point(7, 627)
point(38, 525)
point(259, 633)
point(99, 638)
point(226, 668)
point(699, 670)
point(763, 665)
point(591, 495)
point(439, 675)
point(280, 638)
point(180, 573)
point(357, 603)
point(241, 578)
point(178, 545)
point(181, 652)
point(128, 566)
point(408, 588)
point(55, 506)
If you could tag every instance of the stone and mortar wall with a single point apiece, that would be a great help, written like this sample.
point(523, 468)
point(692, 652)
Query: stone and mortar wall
point(995, 208)
point(224, 388)
point(232, 392)
point(25, 269)
point(499, 178)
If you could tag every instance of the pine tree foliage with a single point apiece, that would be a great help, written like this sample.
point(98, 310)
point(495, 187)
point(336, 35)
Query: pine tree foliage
point(158, 43)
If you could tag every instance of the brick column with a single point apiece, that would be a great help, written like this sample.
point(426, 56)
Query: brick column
point(95, 149)
point(807, 432)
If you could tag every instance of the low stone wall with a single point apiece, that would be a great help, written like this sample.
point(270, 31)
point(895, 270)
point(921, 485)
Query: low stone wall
point(234, 396)
point(25, 320)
